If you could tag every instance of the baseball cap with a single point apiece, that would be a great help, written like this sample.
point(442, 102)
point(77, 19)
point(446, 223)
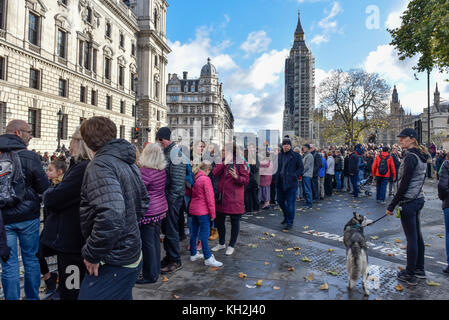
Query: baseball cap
point(408, 132)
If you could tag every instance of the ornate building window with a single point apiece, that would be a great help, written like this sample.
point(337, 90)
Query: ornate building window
point(62, 44)
point(108, 30)
point(35, 79)
point(2, 68)
point(3, 14)
point(34, 120)
point(62, 88)
point(34, 25)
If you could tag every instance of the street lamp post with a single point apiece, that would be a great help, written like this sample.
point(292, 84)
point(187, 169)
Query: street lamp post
point(60, 115)
point(352, 95)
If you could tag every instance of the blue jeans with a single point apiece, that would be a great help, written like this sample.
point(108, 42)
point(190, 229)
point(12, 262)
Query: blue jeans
point(355, 185)
point(151, 250)
point(27, 233)
point(201, 230)
point(446, 222)
point(300, 192)
point(338, 179)
point(307, 184)
point(412, 229)
point(112, 283)
point(381, 188)
point(287, 202)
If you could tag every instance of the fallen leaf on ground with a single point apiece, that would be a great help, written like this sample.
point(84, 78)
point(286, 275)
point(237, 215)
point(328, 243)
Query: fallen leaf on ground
point(399, 287)
point(403, 247)
point(427, 245)
point(310, 240)
point(285, 231)
point(242, 275)
point(400, 268)
point(397, 240)
point(165, 279)
point(273, 235)
point(267, 263)
point(291, 269)
point(296, 253)
point(266, 233)
point(263, 238)
point(305, 259)
point(440, 235)
point(259, 283)
point(297, 248)
point(334, 273)
point(254, 246)
point(306, 227)
point(276, 288)
point(175, 296)
point(309, 277)
point(385, 230)
point(290, 249)
point(368, 213)
point(324, 286)
point(214, 268)
point(278, 250)
point(309, 232)
point(391, 255)
point(432, 283)
point(374, 237)
point(280, 255)
point(331, 250)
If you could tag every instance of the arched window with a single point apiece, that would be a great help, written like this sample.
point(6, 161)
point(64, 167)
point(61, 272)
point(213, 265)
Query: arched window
point(156, 22)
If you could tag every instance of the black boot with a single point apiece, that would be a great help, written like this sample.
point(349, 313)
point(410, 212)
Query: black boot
point(50, 283)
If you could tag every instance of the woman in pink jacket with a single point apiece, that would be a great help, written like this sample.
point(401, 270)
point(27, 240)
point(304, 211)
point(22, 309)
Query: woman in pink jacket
point(233, 175)
point(202, 210)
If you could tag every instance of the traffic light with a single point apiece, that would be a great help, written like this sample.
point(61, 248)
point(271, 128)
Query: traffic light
point(136, 133)
point(418, 129)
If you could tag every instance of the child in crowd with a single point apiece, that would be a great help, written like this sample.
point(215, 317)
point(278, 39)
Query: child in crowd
point(55, 173)
point(202, 210)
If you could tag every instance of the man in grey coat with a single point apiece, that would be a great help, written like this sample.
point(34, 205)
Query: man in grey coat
point(175, 190)
point(308, 174)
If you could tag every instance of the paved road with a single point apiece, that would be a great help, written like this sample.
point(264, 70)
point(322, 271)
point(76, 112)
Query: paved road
point(258, 256)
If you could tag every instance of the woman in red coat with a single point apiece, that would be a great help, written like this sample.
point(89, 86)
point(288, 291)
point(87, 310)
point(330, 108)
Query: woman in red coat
point(233, 175)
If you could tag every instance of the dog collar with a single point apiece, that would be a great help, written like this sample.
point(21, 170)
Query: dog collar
point(356, 226)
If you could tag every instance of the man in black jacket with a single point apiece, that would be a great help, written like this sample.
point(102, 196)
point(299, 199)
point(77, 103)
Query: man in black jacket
point(353, 170)
point(317, 165)
point(113, 200)
point(175, 190)
point(22, 221)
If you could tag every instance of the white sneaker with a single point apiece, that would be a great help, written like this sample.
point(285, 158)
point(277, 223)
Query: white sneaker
point(198, 256)
point(218, 247)
point(212, 262)
point(229, 251)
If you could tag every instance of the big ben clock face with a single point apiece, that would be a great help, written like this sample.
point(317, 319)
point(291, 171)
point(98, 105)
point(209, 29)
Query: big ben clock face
point(299, 37)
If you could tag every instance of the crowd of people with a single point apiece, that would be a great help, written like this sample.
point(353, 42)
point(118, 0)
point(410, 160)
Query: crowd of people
point(108, 205)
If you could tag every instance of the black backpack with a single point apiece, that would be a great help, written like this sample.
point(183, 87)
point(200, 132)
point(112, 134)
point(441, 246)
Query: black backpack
point(383, 165)
point(12, 181)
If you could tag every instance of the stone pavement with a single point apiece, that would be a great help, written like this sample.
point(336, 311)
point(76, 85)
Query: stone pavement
point(257, 257)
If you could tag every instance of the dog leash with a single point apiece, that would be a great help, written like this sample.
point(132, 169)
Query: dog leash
point(377, 220)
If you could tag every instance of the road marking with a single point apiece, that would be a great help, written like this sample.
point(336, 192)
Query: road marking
point(444, 264)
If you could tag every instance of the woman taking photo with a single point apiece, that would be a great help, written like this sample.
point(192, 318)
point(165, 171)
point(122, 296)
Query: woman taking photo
point(233, 174)
point(152, 170)
point(410, 198)
point(62, 231)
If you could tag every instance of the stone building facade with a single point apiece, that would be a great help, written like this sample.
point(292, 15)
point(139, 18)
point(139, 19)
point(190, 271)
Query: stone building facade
point(199, 104)
point(299, 89)
point(81, 57)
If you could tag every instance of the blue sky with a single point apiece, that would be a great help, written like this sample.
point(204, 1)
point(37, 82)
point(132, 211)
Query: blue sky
point(248, 41)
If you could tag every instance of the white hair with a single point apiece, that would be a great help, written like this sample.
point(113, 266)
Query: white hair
point(152, 157)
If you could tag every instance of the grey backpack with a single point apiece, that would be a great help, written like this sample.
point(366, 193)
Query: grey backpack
point(12, 181)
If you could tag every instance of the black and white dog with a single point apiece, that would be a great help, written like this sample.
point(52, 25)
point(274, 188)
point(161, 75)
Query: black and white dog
point(356, 251)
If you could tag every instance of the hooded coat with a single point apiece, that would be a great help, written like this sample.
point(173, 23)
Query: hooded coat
point(113, 200)
point(391, 172)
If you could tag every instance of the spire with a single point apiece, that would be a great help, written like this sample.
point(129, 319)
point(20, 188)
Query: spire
point(395, 96)
point(436, 90)
point(299, 29)
point(299, 32)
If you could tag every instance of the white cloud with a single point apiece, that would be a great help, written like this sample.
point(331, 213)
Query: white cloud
point(320, 38)
point(414, 101)
point(192, 55)
point(328, 24)
point(394, 18)
point(264, 71)
point(321, 75)
point(257, 41)
point(385, 61)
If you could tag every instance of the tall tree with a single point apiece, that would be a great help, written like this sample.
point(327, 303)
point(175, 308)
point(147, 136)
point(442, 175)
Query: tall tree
point(354, 116)
point(424, 32)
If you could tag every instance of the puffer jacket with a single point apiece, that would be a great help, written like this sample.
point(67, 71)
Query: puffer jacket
point(154, 181)
point(232, 190)
point(203, 198)
point(36, 181)
point(62, 230)
point(113, 200)
point(176, 173)
point(443, 184)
